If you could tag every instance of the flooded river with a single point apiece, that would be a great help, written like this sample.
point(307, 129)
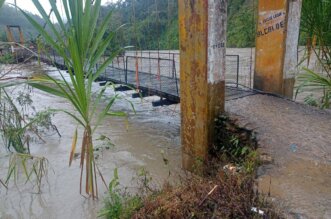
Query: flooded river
point(150, 132)
point(141, 143)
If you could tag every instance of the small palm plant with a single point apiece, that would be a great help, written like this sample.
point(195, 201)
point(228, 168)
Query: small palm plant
point(316, 24)
point(80, 40)
point(316, 82)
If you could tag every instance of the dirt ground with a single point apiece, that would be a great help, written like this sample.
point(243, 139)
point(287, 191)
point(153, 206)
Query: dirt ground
point(296, 142)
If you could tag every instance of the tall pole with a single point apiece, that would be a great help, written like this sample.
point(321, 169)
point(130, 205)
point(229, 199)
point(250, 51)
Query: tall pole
point(291, 53)
point(276, 45)
point(202, 25)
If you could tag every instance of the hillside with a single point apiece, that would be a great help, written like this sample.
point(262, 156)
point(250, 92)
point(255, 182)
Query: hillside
point(10, 16)
point(152, 24)
point(149, 24)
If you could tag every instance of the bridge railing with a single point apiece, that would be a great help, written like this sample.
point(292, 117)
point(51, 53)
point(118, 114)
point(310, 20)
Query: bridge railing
point(153, 70)
point(155, 74)
point(150, 75)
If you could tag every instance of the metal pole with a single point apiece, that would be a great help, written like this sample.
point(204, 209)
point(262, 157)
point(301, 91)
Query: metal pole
point(126, 70)
point(237, 70)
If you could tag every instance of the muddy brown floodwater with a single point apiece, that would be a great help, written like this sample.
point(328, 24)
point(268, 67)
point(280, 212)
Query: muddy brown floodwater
point(150, 131)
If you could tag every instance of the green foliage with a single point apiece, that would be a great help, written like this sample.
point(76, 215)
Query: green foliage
point(311, 100)
point(241, 27)
point(81, 40)
point(251, 161)
point(12, 127)
point(315, 26)
point(7, 59)
point(315, 82)
point(18, 126)
point(316, 21)
point(234, 144)
point(1, 3)
point(10, 16)
point(153, 24)
point(118, 204)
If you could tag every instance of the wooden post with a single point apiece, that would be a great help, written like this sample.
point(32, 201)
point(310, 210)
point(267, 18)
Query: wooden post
point(202, 26)
point(276, 45)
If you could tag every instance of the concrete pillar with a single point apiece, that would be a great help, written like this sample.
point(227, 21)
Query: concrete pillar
point(276, 46)
point(202, 30)
point(291, 52)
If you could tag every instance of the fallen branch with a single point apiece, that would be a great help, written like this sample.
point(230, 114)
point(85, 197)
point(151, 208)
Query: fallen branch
point(209, 193)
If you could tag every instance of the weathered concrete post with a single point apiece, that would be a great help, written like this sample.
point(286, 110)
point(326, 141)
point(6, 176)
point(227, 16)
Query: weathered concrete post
point(276, 46)
point(202, 33)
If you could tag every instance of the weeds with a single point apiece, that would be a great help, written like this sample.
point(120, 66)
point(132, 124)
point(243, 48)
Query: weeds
point(18, 126)
point(119, 204)
point(7, 59)
point(33, 168)
point(234, 144)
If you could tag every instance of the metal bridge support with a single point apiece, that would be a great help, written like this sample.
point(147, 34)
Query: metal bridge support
point(202, 70)
point(276, 46)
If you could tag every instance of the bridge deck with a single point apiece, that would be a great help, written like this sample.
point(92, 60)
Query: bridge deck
point(166, 86)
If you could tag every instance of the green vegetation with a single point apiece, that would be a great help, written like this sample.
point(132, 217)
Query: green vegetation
point(234, 145)
point(81, 41)
point(7, 59)
point(10, 16)
point(241, 23)
point(20, 124)
point(153, 24)
point(315, 25)
point(119, 204)
point(150, 24)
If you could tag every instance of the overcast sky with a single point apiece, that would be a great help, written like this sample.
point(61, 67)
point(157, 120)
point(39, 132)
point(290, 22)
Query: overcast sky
point(28, 5)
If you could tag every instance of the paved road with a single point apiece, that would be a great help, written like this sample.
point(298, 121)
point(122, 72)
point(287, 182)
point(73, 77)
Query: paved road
point(298, 139)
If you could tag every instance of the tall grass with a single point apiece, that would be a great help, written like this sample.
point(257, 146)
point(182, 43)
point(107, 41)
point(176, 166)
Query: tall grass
point(79, 37)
